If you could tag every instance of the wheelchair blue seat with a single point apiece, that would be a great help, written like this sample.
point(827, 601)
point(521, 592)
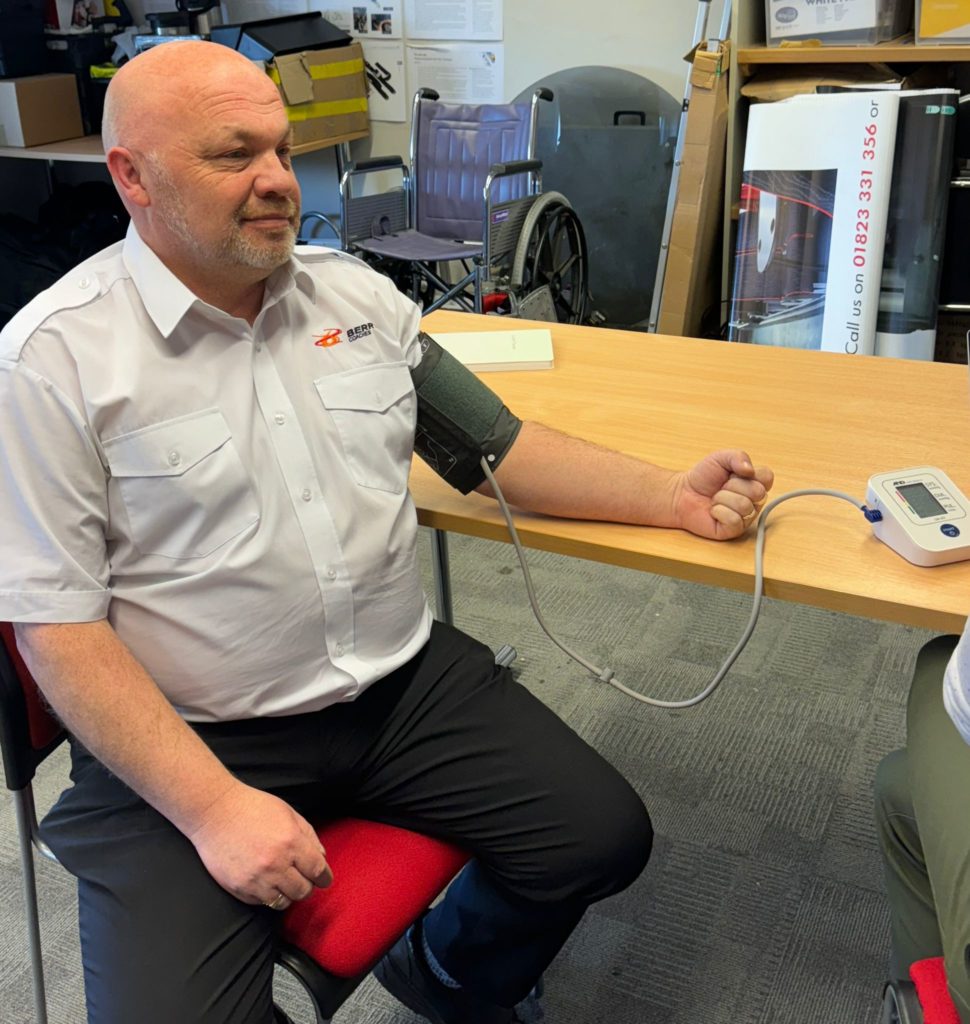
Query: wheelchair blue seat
point(465, 200)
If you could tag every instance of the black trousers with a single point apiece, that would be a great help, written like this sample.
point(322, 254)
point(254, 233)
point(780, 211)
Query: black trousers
point(448, 745)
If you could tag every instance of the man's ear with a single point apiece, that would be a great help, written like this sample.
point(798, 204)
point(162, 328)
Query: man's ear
point(126, 173)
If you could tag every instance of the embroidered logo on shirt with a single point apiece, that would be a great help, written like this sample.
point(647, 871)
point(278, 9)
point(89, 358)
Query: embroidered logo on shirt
point(360, 331)
point(329, 337)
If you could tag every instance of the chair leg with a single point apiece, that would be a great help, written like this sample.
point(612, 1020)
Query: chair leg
point(326, 992)
point(900, 1004)
point(24, 808)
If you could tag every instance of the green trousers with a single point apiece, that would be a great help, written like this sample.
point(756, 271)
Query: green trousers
point(923, 821)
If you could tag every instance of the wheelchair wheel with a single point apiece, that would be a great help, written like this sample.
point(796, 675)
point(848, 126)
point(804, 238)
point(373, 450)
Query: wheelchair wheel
point(551, 252)
point(900, 1004)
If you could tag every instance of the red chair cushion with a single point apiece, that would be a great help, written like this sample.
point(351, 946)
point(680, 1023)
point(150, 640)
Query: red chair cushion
point(929, 977)
point(383, 879)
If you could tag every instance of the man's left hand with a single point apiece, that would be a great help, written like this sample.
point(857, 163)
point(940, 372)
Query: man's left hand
point(721, 496)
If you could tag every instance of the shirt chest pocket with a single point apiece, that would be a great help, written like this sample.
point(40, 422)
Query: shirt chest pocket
point(183, 485)
point(374, 411)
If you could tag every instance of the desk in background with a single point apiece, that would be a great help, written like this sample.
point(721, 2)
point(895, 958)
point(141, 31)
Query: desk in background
point(818, 419)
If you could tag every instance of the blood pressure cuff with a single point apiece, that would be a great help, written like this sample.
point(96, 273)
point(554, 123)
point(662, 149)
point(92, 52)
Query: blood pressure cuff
point(460, 420)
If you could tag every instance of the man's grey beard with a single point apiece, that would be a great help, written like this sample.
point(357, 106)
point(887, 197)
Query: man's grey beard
point(234, 248)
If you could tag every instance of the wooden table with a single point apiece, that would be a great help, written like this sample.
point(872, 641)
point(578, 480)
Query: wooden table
point(818, 419)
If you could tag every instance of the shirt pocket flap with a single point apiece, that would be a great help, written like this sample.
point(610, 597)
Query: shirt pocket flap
point(170, 448)
point(368, 389)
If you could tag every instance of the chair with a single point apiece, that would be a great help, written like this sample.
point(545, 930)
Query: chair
point(329, 942)
point(471, 197)
point(924, 1000)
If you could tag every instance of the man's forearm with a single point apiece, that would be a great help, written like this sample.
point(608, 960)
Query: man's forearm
point(555, 474)
point(111, 704)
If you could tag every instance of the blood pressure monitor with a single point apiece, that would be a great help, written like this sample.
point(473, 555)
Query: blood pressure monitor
point(925, 517)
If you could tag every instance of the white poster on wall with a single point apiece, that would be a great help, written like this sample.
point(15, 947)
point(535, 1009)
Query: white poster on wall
point(454, 19)
point(459, 72)
point(387, 98)
point(365, 19)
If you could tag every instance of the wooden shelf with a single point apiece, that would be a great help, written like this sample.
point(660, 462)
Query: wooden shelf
point(335, 140)
point(84, 150)
point(882, 53)
point(89, 149)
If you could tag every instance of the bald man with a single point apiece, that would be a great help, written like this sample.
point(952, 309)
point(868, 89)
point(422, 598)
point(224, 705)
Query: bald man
point(209, 554)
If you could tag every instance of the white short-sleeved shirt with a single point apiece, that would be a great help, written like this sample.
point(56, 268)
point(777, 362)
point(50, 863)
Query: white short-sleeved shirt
point(232, 498)
point(956, 686)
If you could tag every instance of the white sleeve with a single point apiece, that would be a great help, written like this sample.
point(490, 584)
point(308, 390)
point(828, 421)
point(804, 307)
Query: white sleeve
point(53, 496)
point(408, 325)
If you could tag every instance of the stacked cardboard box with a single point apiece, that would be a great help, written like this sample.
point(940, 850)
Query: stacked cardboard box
point(325, 92)
point(39, 109)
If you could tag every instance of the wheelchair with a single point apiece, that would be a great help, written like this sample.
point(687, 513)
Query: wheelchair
point(465, 222)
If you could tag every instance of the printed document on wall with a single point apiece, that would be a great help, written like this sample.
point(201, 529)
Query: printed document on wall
point(812, 225)
point(454, 19)
point(384, 63)
point(459, 72)
point(365, 19)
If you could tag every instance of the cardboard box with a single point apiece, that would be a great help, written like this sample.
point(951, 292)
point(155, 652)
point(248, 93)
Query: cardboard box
point(943, 21)
point(325, 92)
point(692, 278)
point(837, 22)
point(39, 109)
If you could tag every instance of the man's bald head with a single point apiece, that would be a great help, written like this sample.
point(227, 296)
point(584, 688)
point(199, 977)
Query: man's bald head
point(162, 87)
point(197, 143)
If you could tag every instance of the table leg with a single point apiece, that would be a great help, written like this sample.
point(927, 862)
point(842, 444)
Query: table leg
point(442, 577)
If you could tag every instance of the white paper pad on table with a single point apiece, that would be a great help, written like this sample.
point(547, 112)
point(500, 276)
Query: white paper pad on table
point(500, 350)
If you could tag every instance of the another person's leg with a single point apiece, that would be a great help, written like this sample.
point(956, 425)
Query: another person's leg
point(924, 832)
point(161, 941)
point(470, 755)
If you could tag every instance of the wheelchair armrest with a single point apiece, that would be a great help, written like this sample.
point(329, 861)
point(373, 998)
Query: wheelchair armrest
point(377, 163)
point(514, 167)
point(426, 93)
point(543, 93)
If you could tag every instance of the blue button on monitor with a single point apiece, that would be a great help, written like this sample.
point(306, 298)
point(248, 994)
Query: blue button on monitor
point(950, 530)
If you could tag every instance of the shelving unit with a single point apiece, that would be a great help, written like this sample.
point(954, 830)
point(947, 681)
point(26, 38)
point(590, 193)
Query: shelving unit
point(895, 52)
point(89, 149)
point(749, 53)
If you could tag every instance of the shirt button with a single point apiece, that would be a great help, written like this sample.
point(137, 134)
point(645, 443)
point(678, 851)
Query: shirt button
point(331, 574)
point(306, 495)
point(339, 650)
point(280, 418)
point(259, 346)
point(378, 397)
point(174, 458)
point(85, 282)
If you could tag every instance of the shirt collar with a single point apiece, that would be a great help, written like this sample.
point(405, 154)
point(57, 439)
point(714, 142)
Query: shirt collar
point(167, 299)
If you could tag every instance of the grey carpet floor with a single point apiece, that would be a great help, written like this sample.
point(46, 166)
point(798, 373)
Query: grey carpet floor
point(763, 902)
